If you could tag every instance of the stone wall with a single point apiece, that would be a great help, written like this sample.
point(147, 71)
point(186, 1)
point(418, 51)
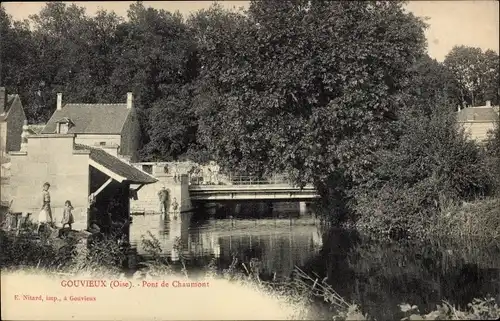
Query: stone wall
point(50, 158)
point(148, 201)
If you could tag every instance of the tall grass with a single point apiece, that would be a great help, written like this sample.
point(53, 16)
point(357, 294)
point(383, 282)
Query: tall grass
point(476, 219)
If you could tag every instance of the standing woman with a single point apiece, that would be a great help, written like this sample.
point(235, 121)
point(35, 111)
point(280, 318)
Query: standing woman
point(45, 212)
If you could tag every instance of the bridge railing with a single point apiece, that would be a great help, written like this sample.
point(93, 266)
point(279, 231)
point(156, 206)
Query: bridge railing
point(237, 180)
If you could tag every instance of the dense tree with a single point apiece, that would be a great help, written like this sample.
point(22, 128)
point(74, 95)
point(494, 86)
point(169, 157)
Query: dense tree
point(17, 60)
point(65, 51)
point(433, 83)
point(491, 77)
point(173, 126)
point(151, 60)
point(476, 72)
point(306, 87)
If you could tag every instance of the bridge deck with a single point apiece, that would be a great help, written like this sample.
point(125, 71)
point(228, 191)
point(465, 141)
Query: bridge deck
point(250, 192)
point(268, 187)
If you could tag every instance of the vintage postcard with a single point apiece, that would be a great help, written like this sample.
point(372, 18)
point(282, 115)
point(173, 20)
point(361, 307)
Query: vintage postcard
point(258, 160)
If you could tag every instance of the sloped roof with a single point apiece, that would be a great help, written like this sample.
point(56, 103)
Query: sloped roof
point(117, 166)
point(36, 129)
point(90, 118)
point(8, 104)
point(482, 114)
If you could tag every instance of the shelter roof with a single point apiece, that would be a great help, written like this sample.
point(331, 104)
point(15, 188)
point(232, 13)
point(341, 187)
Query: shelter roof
point(115, 167)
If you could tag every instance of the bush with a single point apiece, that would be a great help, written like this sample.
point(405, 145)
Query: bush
point(478, 309)
point(49, 253)
point(434, 165)
point(26, 251)
point(492, 148)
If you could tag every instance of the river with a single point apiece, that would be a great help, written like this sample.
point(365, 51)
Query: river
point(379, 275)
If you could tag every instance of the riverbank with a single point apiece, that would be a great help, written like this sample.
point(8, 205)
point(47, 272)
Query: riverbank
point(476, 219)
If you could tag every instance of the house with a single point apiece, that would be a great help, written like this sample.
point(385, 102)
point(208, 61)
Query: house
point(112, 127)
point(478, 121)
point(12, 118)
point(91, 178)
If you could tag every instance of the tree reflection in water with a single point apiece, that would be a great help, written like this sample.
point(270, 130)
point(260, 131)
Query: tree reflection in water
point(379, 275)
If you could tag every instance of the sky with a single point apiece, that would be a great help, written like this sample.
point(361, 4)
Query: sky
point(469, 23)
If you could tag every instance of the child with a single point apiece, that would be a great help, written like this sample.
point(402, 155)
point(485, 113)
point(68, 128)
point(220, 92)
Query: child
point(67, 218)
point(175, 205)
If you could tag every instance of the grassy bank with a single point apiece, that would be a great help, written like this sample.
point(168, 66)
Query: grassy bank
point(479, 218)
point(476, 219)
point(435, 181)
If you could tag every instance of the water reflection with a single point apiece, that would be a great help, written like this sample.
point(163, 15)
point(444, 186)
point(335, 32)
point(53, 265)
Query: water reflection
point(382, 274)
point(279, 244)
point(379, 275)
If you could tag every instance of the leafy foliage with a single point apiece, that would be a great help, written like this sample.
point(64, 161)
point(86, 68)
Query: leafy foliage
point(478, 309)
point(311, 94)
point(477, 73)
point(493, 154)
point(422, 175)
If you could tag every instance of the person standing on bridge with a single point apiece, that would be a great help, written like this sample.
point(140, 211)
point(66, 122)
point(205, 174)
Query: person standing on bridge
point(163, 198)
point(177, 176)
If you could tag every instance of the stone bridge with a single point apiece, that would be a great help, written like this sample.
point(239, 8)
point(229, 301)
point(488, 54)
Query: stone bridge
point(188, 189)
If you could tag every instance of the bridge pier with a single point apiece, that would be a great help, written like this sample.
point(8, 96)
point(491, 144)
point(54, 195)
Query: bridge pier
point(177, 187)
point(302, 208)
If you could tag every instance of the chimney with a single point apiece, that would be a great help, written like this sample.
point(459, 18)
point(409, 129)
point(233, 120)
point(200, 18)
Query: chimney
point(129, 100)
point(59, 101)
point(458, 108)
point(3, 99)
point(488, 103)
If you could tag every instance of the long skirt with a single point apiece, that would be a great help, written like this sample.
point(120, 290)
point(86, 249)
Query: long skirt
point(43, 217)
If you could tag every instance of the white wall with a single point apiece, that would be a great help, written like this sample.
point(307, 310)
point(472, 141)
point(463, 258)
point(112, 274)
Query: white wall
point(478, 130)
point(94, 140)
point(50, 158)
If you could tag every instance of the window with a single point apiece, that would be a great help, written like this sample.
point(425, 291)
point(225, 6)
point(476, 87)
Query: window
point(148, 168)
point(63, 128)
point(102, 143)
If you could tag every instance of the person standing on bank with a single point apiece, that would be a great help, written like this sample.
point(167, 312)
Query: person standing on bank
point(45, 216)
